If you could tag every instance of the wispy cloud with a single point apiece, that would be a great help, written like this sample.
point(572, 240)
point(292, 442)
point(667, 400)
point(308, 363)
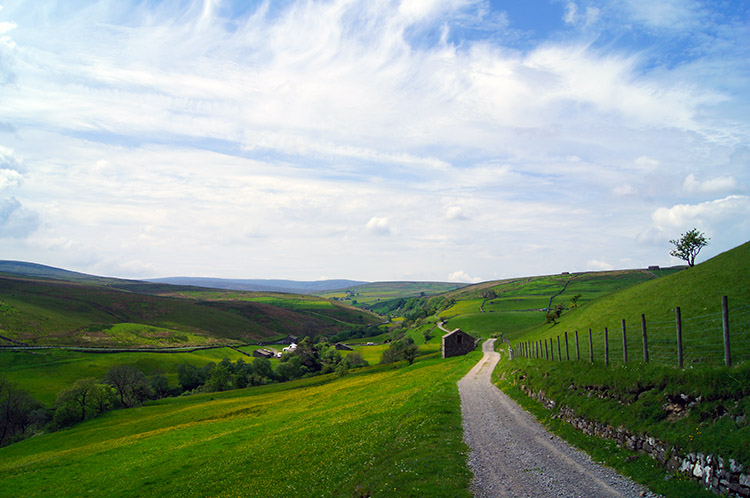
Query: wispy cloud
point(252, 131)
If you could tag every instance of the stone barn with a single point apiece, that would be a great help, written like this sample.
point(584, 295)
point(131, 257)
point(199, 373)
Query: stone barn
point(458, 343)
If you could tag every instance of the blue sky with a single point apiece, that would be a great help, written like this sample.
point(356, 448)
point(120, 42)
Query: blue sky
point(375, 140)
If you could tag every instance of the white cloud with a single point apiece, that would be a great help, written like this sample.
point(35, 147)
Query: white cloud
point(15, 220)
point(704, 213)
point(625, 190)
point(455, 213)
point(9, 178)
point(588, 18)
point(462, 276)
point(156, 131)
point(665, 14)
point(378, 225)
point(716, 185)
point(599, 264)
point(7, 26)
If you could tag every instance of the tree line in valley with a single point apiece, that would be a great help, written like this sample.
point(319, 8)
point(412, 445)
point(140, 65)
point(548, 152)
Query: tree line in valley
point(125, 386)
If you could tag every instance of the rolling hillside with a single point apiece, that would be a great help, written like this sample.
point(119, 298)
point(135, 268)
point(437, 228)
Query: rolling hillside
point(516, 305)
point(697, 291)
point(372, 295)
point(54, 312)
point(383, 431)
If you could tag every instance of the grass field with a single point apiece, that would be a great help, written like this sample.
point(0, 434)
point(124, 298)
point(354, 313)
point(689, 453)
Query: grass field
point(379, 432)
point(519, 304)
point(511, 323)
point(369, 294)
point(697, 291)
point(44, 373)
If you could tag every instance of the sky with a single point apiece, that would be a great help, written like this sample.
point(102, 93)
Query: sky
point(441, 140)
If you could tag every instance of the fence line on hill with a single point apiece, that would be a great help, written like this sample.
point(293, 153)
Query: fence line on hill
point(710, 339)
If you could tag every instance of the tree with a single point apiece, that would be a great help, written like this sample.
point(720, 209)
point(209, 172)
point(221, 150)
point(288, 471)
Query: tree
point(189, 377)
point(221, 379)
point(86, 398)
point(689, 245)
point(16, 407)
point(130, 384)
point(401, 349)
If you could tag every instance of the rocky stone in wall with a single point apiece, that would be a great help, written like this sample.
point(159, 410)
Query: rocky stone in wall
point(709, 470)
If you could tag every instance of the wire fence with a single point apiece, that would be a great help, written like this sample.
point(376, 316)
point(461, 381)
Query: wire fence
point(713, 339)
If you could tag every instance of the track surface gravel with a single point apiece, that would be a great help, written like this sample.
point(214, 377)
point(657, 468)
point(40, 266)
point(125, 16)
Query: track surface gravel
point(512, 455)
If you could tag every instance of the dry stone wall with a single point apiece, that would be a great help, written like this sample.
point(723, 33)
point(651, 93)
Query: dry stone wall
point(713, 472)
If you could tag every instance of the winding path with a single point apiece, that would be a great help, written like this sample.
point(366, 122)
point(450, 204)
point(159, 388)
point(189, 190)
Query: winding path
point(512, 455)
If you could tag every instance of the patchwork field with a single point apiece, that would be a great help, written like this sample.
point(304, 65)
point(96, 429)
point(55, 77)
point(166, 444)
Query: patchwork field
point(516, 306)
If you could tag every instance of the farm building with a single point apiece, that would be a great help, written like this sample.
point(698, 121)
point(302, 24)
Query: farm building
point(343, 347)
point(290, 339)
point(263, 353)
point(458, 343)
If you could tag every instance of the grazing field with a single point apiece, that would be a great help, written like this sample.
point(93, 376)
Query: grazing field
point(697, 291)
point(44, 373)
point(510, 323)
point(382, 431)
point(371, 294)
point(515, 306)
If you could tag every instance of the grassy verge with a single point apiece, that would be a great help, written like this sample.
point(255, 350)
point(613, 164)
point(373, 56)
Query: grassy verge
point(641, 398)
point(384, 431)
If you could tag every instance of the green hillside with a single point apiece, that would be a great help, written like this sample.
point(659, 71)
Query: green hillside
point(52, 312)
point(697, 291)
point(371, 295)
point(515, 306)
point(379, 432)
point(44, 373)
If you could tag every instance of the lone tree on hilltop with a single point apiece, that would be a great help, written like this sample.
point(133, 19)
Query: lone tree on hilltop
point(689, 245)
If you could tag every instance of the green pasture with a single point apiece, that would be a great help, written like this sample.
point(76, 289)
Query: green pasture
point(371, 354)
point(511, 323)
point(384, 431)
point(369, 294)
point(44, 373)
point(515, 304)
point(462, 307)
point(697, 291)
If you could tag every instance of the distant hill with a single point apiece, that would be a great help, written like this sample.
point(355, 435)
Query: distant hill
point(42, 305)
point(43, 271)
point(260, 285)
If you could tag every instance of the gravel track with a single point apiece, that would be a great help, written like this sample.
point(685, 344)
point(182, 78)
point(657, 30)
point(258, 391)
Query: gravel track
point(512, 455)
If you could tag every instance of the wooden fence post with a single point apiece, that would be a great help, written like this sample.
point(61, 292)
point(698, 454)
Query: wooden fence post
point(678, 319)
point(578, 349)
point(567, 351)
point(725, 323)
point(591, 348)
point(559, 354)
point(645, 339)
point(552, 348)
point(546, 350)
point(606, 347)
point(624, 344)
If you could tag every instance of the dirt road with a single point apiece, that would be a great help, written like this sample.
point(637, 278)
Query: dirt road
point(512, 455)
